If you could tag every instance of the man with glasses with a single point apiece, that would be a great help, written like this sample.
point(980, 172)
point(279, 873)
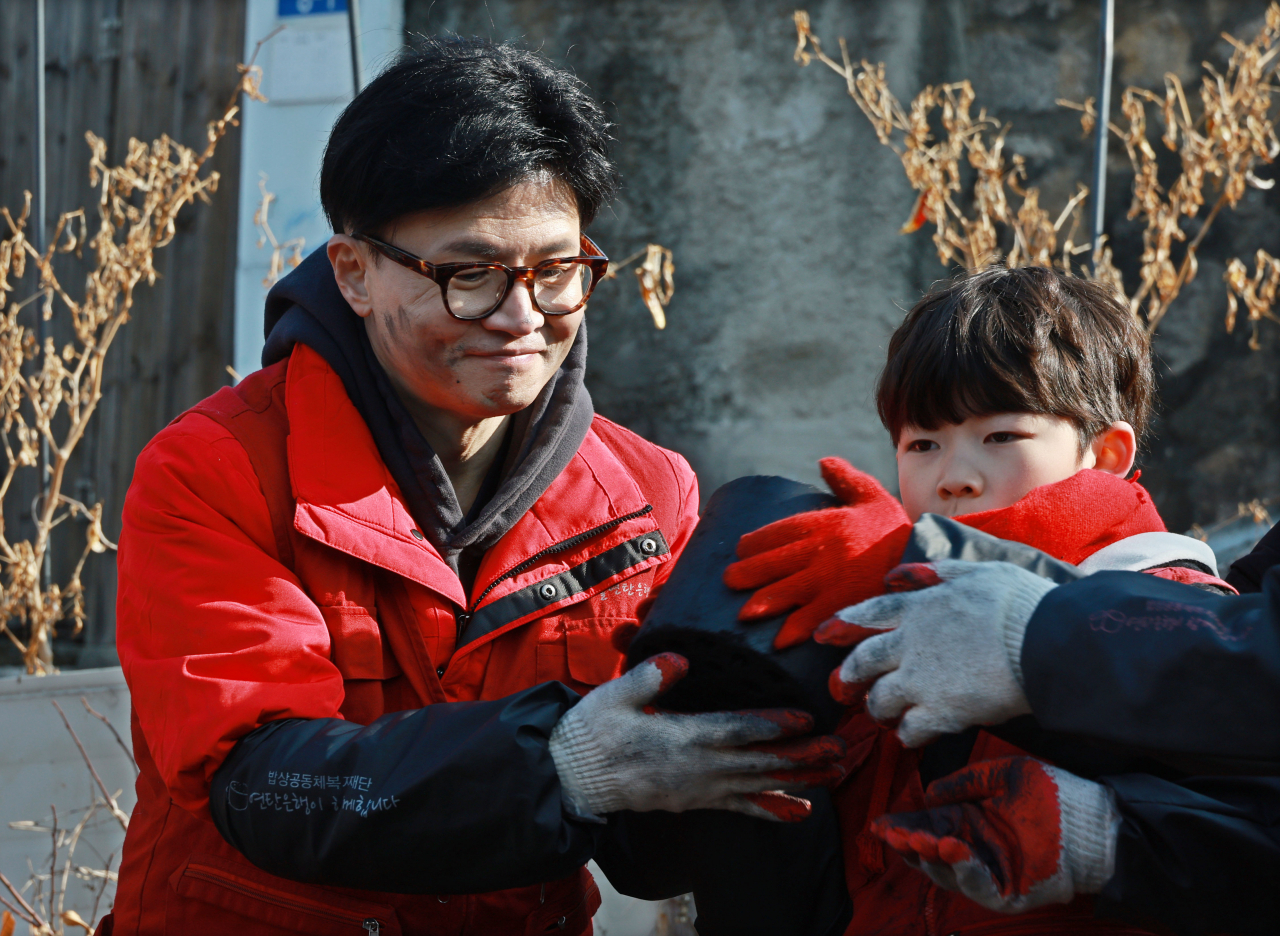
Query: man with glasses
point(366, 597)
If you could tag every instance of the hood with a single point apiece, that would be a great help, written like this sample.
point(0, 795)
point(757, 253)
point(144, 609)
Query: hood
point(307, 308)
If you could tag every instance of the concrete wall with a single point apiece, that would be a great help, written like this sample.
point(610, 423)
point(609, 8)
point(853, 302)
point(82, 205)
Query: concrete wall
point(781, 208)
point(783, 212)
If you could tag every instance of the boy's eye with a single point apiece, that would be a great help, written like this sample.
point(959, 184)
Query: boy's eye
point(922, 445)
point(1000, 438)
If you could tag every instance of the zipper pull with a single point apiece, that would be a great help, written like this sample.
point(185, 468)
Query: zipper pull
point(372, 927)
point(463, 618)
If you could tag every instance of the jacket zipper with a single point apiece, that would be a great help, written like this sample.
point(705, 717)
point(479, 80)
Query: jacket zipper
point(370, 925)
point(465, 618)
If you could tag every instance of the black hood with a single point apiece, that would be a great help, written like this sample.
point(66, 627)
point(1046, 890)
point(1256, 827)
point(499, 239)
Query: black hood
point(307, 308)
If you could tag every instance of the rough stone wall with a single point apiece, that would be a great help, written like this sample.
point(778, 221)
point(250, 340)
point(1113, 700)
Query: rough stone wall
point(783, 212)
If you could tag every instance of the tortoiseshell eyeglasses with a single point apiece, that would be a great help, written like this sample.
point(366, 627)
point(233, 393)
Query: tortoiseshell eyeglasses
point(473, 291)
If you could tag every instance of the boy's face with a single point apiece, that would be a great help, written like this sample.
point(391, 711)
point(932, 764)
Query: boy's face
point(986, 462)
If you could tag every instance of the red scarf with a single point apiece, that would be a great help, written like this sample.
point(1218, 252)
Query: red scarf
point(1072, 519)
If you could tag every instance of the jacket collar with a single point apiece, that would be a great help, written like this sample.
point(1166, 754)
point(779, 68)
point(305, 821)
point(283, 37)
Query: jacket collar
point(347, 499)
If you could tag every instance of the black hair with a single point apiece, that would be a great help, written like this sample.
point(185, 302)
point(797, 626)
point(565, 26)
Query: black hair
point(455, 120)
point(1027, 340)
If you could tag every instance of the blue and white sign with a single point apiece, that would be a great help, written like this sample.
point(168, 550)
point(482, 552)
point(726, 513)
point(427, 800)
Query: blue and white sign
point(307, 78)
point(310, 7)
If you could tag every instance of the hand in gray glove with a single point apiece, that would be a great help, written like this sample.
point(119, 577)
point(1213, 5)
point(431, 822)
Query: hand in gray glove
point(945, 650)
point(1010, 834)
point(614, 751)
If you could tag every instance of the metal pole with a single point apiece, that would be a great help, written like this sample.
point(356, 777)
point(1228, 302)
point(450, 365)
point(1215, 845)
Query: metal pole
point(38, 231)
point(357, 60)
point(1106, 51)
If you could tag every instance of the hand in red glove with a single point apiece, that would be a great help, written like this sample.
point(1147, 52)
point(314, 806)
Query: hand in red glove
point(1010, 834)
point(824, 560)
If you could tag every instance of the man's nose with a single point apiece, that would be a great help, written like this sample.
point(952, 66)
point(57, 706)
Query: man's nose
point(959, 479)
point(517, 315)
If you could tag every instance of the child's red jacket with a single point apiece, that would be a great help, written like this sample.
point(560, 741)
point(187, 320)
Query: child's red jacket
point(1094, 520)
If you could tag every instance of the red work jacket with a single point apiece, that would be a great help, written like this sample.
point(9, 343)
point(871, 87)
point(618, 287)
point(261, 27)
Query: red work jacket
point(269, 569)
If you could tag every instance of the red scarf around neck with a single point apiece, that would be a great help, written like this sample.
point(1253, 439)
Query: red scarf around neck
point(1072, 519)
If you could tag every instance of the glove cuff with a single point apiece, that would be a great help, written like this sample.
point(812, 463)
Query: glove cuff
point(1022, 607)
point(1090, 830)
point(586, 784)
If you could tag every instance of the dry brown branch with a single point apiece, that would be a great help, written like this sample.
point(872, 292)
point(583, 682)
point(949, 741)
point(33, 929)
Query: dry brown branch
point(656, 277)
point(657, 282)
point(1232, 135)
point(50, 394)
point(267, 236)
point(112, 728)
point(1258, 293)
point(1225, 143)
point(106, 875)
point(121, 816)
point(934, 166)
point(28, 912)
point(53, 859)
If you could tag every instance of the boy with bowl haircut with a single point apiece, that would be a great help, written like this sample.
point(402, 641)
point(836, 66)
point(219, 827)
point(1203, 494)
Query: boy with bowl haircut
point(1016, 400)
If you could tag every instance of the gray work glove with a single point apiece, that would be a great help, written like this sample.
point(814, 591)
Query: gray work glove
point(1011, 834)
point(944, 650)
point(614, 751)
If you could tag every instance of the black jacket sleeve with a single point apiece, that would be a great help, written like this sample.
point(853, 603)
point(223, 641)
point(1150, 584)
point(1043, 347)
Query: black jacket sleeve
point(1201, 855)
point(1143, 662)
point(1247, 572)
point(453, 798)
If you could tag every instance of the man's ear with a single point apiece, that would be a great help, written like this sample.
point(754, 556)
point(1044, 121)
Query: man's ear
point(350, 264)
point(1115, 448)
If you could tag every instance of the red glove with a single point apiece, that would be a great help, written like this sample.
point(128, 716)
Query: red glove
point(824, 560)
point(1010, 834)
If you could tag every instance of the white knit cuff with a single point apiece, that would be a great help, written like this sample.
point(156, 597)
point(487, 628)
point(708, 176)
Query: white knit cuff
point(1090, 830)
point(585, 782)
point(1017, 619)
point(1015, 630)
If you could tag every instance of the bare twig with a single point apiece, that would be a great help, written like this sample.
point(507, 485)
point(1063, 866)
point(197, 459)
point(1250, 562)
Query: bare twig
point(114, 807)
point(53, 862)
point(28, 912)
point(112, 728)
point(267, 236)
point(106, 879)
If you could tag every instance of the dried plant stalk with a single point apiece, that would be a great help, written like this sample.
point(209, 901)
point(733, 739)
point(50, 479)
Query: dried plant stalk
point(266, 236)
point(933, 166)
point(1257, 292)
point(137, 207)
point(1225, 143)
point(1222, 147)
point(656, 278)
